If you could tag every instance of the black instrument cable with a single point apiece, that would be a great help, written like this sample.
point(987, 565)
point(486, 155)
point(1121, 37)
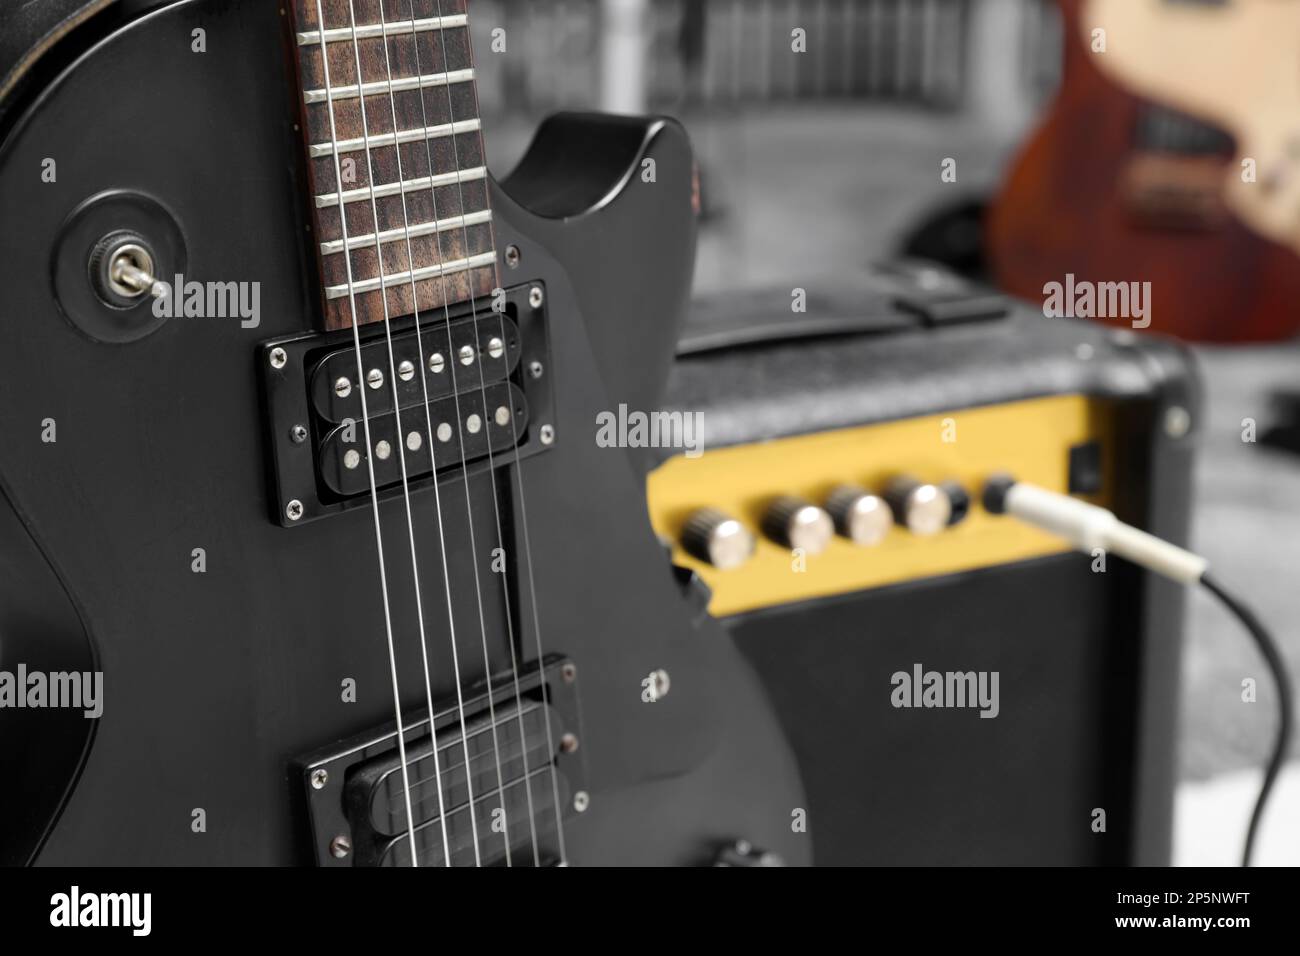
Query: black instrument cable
point(1285, 706)
point(1089, 527)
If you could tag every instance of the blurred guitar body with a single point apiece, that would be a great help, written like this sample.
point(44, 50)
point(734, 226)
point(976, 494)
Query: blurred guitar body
point(1119, 187)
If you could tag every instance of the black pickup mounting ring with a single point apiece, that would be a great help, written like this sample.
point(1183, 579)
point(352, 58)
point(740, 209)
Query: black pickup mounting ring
point(319, 466)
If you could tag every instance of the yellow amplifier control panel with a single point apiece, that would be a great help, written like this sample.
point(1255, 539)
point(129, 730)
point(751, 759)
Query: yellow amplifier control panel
point(817, 515)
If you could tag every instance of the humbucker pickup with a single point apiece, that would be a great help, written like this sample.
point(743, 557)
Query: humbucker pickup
point(427, 440)
point(471, 388)
point(481, 350)
point(505, 777)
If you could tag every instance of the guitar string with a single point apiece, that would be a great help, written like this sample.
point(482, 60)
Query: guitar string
point(514, 425)
point(365, 421)
point(486, 425)
point(451, 358)
point(452, 361)
point(496, 505)
point(400, 432)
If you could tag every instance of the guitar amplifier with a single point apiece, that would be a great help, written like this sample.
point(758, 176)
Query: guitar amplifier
point(958, 688)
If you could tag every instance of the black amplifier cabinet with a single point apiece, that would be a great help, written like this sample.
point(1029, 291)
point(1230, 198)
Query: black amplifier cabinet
point(959, 689)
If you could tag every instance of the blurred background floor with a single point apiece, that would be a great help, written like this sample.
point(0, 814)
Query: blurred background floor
point(1246, 521)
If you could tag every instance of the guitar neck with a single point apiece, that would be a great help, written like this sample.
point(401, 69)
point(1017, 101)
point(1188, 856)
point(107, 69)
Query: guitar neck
point(395, 157)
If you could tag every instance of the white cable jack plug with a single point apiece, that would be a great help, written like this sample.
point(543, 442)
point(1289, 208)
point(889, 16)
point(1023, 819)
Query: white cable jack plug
point(1089, 527)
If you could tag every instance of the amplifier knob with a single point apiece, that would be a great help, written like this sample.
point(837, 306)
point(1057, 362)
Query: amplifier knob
point(921, 508)
point(959, 499)
point(716, 537)
point(796, 523)
point(859, 515)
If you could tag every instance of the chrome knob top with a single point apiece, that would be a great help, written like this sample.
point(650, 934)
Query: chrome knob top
point(716, 537)
point(796, 523)
point(859, 515)
point(923, 509)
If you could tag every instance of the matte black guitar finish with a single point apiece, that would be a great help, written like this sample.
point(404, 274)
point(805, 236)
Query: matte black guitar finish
point(215, 682)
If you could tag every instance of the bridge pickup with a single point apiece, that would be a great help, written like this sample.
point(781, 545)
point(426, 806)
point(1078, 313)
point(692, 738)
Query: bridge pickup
point(523, 781)
point(478, 351)
point(443, 798)
point(464, 429)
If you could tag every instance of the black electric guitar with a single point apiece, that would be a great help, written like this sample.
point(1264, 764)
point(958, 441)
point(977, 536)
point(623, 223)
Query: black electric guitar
point(302, 502)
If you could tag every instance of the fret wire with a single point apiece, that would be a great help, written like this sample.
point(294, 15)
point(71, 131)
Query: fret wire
point(423, 229)
point(409, 185)
point(402, 136)
point(367, 30)
point(451, 267)
point(397, 85)
point(319, 40)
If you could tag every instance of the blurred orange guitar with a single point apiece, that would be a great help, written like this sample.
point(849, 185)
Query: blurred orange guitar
point(1170, 155)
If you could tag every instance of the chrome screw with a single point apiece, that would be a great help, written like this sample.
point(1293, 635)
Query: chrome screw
point(512, 257)
point(375, 378)
point(298, 433)
point(581, 800)
point(568, 743)
point(293, 510)
point(406, 371)
point(496, 348)
point(547, 435)
point(279, 357)
point(340, 847)
point(536, 297)
point(569, 672)
point(466, 354)
point(1178, 422)
point(319, 778)
point(343, 387)
point(437, 363)
point(535, 369)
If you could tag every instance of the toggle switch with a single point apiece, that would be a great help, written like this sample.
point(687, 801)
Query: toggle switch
point(122, 269)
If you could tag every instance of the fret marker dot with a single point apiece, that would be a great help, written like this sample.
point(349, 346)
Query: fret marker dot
point(444, 432)
point(414, 441)
point(383, 450)
point(473, 424)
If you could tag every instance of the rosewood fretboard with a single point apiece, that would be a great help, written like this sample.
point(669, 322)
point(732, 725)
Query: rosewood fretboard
point(415, 163)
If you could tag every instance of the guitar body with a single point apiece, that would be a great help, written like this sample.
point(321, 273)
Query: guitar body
point(216, 683)
point(1064, 209)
